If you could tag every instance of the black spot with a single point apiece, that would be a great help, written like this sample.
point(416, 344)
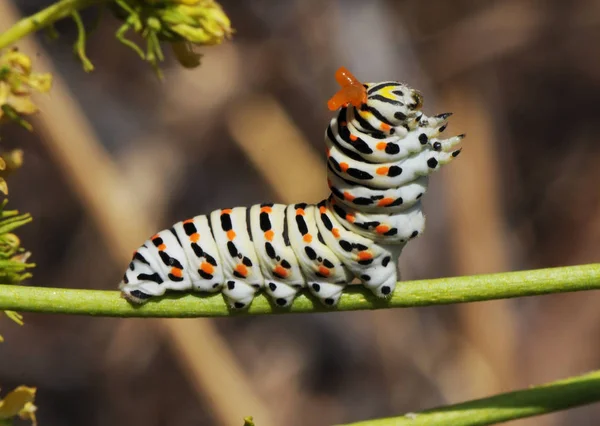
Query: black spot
point(392, 131)
point(175, 277)
point(286, 264)
point(423, 138)
point(432, 163)
point(301, 224)
point(230, 285)
point(419, 196)
point(239, 305)
point(189, 228)
point(281, 302)
point(237, 274)
point(337, 192)
point(361, 146)
point(265, 222)
point(385, 261)
point(215, 285)
point(233, 252)
point(226, 222)
point(362, 247)
point(365, 262)
point(205, 275)
point(246, 261)
point(400, 116)
point(365, 277)
point(443, 128)
point(362, 201)
point(385, 290)
point(272, 286)
point(358, 174)
point(339, 211)
point(398, 92)
point(150, 277)
point(455, 153)
point(197, 250)
point(316, 287)
point(131, 266)
point(394, 171)
point(377, 197)
point(170, 261)
point(210, 259)
point(392, 148)
point(329, 301)
point(125, 279)
point(157, 241)
point(397, 202)
point(392, 231)
point(345, 245)
point(270, 250)
point(327, 263)
point(320, 238)
point(326, 222)
point(139, 294)
point(437, 146)
point(414, 234)
point(312, 255)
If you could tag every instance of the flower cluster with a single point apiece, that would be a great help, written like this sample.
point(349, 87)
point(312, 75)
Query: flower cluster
point(17, 83)
point(184, 24)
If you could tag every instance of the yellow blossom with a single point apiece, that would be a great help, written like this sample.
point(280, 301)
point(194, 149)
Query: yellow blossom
point(19, 402)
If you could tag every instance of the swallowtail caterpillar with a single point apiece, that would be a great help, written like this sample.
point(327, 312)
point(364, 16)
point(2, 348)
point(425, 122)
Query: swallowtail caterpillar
point(381, 150)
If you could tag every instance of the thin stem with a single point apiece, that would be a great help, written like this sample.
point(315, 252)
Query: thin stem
point(555, 396)
point(408, 294)
point(43, 19)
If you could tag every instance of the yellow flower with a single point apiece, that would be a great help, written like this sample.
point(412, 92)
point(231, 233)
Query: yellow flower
point(19, 402)
point(17, 83)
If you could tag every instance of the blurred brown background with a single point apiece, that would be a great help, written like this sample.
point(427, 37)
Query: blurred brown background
point(118, 155)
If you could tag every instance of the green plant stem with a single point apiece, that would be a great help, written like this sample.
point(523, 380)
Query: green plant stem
point(534, 401)
point(43, 19)
point(408, 294)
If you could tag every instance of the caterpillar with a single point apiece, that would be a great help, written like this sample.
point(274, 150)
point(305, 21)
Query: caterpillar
point(380, 151)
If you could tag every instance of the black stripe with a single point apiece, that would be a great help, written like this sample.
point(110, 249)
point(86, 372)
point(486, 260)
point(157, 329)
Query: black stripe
point(387, 101)
point(380, 86)
point(147, 277)
point(176, 236)
point(377, 114)
point(138, 256)
point(348, 153)
point(248, 227)
point(285, 234)
point(364, 123)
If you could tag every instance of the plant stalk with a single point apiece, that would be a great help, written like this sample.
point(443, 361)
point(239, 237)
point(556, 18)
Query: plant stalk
point(555, 396)
point(408, 294)
point(43, 19)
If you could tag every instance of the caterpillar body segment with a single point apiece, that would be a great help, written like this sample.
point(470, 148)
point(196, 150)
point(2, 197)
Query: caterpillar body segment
point(380, 151)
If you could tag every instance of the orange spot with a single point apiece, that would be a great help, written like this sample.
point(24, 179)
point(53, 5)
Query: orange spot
point(382, 229)
point(353, 137)
point(335, 232)
point(382, 171)
point(385, 202)
point(365, 255)
point(280, 271)
point(348, 196)
point(328, 152)
point(352, 91)
point(242, 270)
point(194, 237)
point(324, 271)
point(155, 236)
point(300, 212)
point(162, 247)
point(322, 209)
point(344, 166)
point(266, 209)
point(385, 127)
point(207, 267)
point(176, 272)
point(226, 211)
point(269, 235)
point(381, 145)
point(350, 218)
point(343, 123)
point(307, 238)
point(231, 235)
point(188, 221)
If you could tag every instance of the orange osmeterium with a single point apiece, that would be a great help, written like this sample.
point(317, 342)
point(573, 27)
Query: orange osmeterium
point(352, 91)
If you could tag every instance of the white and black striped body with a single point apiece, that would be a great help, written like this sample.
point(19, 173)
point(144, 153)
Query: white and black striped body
point(379, 158)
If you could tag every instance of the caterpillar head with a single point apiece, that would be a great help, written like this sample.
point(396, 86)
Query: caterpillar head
point(380, 106)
